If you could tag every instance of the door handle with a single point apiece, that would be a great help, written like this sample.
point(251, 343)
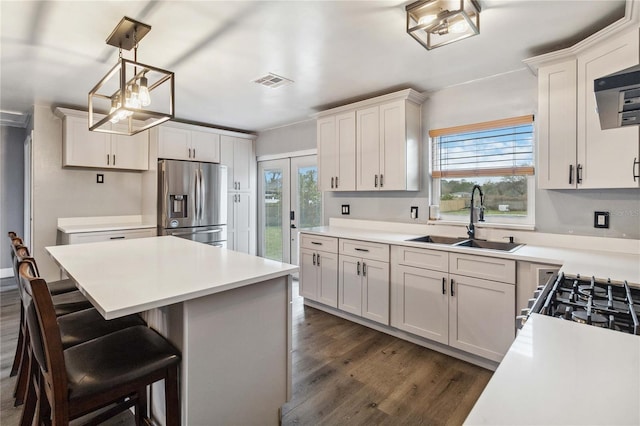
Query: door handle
point(361, 249)
point(452, 290)
point(444, 285)
point(570, 174)
point(318, 259)
point(116, 238)
point(336, 182)
point(636, 176)
point(293, 226)
point(579, 174)
point(108, 159)
point(364, 269)
point(314, 259)
point(189, 152)
point(332, 178)
point(376, 181)
point(194, 153)
point(358, 269)
point(114, 159)
point(381, 181)
point(316, 243)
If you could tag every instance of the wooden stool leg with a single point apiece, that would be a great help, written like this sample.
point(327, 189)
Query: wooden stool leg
point(22, 381)
point(171, 396)
point(30, 402)
point(17, 359)
point(141, 406)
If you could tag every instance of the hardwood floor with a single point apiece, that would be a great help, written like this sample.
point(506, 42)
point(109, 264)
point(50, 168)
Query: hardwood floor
point(343, 373)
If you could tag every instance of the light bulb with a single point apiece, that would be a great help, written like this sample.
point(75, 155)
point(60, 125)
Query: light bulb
point(133, 99)
point(427, 19)
point(115, 104)
point(459, 27)
point(143, 94)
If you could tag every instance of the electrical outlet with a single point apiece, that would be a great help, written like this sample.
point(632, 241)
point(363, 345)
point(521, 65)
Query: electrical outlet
point(100, 178)
point(345, 209)
point(414, 212)
point(600, 219)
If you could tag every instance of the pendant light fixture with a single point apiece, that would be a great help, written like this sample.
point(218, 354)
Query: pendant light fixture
point(136, 96)
point(434, 23)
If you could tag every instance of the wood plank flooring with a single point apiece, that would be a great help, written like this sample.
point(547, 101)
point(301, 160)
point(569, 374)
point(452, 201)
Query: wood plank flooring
point(343, 373)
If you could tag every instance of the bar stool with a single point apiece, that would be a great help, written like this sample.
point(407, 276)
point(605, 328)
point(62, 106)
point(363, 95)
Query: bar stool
point(115, 368)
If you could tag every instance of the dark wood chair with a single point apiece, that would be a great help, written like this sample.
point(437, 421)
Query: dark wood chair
point(114, 369)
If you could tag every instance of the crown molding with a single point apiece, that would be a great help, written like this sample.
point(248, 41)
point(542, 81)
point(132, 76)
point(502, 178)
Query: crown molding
point(407, 94)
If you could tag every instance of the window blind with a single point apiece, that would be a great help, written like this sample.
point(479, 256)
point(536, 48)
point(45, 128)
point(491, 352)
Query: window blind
point(497, 148)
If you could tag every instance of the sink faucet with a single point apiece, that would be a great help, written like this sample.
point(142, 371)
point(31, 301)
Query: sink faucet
point(471, 229)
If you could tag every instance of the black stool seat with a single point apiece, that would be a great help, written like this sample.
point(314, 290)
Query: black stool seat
point(82, 326)
point(67, 303)
point(62, 286)
point(125, 356)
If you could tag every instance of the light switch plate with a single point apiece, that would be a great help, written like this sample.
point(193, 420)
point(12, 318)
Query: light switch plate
point(345, 209)
point(100, 178)
point(601, 219)
point(414, 212)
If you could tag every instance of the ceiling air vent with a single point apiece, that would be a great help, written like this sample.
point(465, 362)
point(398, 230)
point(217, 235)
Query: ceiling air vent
point(273, 80)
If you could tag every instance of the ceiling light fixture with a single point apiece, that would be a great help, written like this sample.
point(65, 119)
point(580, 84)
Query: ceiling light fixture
point(129, 87)
point(434, 23)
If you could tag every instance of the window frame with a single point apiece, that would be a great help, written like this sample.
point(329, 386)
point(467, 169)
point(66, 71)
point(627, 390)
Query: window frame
point(436, 176)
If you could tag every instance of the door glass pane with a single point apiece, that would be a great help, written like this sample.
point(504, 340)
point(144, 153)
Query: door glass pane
point(310, 197)
point(272, 184)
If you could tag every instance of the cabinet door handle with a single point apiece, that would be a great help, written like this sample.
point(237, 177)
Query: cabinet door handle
point(108, 159)
point(364, 269)
point(332, 178)
point(316, 243)
point(381, 181)
point(358, 269)
point(361, 249)
point(238, 186)
point(194, 153)
point(570, 174)
point(116, 238)
point(114, 159)
point(376, 181)
point(314, 259)
point(636, 176)
point(452, 290)
point(189, 152)
point(444, 285)
point(579, 174)
point(336, 182)
point(318, 260)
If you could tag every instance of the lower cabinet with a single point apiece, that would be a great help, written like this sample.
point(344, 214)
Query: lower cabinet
point(318, 273)
point(472, 314)
point(239, 222)
point(481, 316)
point(99, 236)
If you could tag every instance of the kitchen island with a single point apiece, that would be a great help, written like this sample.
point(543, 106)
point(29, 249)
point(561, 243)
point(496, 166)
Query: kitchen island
point(229, 313)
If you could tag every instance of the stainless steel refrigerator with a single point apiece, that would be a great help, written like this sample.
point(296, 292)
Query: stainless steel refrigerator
point(192, 201)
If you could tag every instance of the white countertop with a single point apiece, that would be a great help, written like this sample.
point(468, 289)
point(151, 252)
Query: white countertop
point(73, 225)
point(601, 264)
point(563, 373)
point(129, 276)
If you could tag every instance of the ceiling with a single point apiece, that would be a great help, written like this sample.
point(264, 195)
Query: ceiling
point(334, 51)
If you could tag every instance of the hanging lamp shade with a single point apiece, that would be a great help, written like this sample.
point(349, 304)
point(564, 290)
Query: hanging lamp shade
point(435, 23)
point(132, 96)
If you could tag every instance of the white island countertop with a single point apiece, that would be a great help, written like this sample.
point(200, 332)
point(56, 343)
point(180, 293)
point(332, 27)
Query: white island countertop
point(563, 373)
point(75, 225)
point(130, 276)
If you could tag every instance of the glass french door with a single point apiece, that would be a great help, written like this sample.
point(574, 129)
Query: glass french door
point(289, 200)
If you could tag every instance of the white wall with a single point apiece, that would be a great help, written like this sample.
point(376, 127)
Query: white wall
point(71, 192)
point(295, 137)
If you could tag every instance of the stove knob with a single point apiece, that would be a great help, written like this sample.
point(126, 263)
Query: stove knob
point(530, 303)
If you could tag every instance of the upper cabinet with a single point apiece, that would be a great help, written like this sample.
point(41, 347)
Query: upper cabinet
point(237, 154)
point(373, 145)
point(188, 144)
point(83, 148)
point(573, 152)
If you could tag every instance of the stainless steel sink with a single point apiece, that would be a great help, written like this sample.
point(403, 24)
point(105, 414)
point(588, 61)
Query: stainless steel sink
point(435, 239)
point(491, 245)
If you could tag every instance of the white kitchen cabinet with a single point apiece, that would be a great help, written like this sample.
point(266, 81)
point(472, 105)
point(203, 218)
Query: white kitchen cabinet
point(387, 144)
point(237, 154)
point(573, 152)
point(481, 316)
point(319, 269)
point(363, 281)
point(99, 236)
point(387, 147)
point(240, 227)
point(188, 144)
point(83, 148)
point(464, 301)
point(420, 302)
point(336, 136)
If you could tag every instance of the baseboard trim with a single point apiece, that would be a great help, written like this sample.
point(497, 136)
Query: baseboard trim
point(6, 272)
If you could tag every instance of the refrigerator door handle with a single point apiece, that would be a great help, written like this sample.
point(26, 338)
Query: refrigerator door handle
point(197, 196)
point(203, 191)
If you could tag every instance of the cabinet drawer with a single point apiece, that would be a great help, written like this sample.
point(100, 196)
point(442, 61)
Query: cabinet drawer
point(317, 242)
point(490, 268)
point(364, 249)
point(435, 260)
point(94, 237)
